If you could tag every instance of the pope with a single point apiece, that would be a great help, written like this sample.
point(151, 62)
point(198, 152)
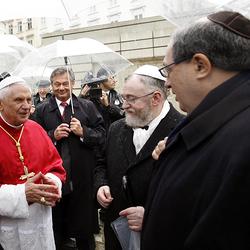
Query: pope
point(31, 172)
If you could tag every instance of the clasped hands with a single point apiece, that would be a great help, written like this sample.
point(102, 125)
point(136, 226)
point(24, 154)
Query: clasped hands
point(42, 189)
point(64, 129)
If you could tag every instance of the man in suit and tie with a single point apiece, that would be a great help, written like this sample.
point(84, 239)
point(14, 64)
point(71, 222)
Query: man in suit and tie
point(122, 181)
point(76, 128)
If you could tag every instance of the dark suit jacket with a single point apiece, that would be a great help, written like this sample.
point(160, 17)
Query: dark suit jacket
point(121, 160)
point(199, 198)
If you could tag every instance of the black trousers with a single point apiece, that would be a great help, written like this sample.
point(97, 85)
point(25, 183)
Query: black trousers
point(111, 241)
point(62, 235)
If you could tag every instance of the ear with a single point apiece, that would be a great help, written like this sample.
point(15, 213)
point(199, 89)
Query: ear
point(202, 65)
point(1, 106)
point(157, 97)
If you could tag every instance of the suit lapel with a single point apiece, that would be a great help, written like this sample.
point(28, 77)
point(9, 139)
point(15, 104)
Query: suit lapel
point(126, 138)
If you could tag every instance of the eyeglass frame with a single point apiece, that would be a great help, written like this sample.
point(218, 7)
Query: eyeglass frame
point(132, 100)
point(168, 67)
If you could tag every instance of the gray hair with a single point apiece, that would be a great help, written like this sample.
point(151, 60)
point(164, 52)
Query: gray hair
point(225, 49)
point(61, 71)
point(5, 91)
point(151, 83)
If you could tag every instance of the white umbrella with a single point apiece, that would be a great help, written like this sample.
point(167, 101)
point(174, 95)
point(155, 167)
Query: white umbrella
point(12, 51)
point(181, 12)
point(14, 9)
point(31, 75)
point(83, 54)
point(65, 9)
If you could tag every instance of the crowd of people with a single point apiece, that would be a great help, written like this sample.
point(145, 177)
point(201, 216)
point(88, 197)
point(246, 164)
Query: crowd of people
point(179, 181)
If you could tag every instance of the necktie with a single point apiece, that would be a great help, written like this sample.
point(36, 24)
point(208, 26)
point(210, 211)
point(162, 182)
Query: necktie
point(145, 127)
point(64, 105)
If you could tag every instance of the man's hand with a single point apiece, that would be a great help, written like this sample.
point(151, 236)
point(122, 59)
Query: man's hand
point(104, 99)
point(62, 131)
point(85, 90)
point(159, 148)
point(76, 127)
point(40, 189)
point(134, 216)
point(104, 196)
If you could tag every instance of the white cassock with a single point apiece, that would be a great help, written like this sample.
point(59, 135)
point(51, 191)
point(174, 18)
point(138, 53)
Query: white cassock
point(23, 226)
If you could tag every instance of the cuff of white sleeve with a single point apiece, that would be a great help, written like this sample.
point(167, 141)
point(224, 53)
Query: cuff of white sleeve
point(57, 181)
point(13, 201)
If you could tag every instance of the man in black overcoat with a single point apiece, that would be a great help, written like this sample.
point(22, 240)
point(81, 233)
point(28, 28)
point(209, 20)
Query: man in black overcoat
point(149, 118)
point(199, 198)
point(77, 133)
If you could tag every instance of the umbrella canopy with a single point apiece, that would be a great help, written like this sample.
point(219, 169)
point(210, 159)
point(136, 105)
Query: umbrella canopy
point(181, 12)
point(30, 74)
point(14, 9)
point(65, 9)
point(83, 55)
point(12, 51)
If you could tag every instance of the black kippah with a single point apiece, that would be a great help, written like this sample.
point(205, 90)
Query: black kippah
point(232, 21)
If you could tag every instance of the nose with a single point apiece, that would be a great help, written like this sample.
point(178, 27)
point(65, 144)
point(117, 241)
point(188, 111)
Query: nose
point(61, 87)
point(167, 84)
point(125, 104)
point(27, 104)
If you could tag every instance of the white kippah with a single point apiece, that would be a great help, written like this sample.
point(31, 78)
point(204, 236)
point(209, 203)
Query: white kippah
point(10, 80)
point(150, 70)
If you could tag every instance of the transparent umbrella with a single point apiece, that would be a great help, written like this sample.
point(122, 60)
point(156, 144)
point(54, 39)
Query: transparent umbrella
point(31, 75)
point(12, 51)
point(82, 55)
point(14, 9)
point(181, 12)
point(65, 9)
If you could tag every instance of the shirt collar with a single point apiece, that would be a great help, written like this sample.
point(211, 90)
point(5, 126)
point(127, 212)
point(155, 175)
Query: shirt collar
point(59, 102)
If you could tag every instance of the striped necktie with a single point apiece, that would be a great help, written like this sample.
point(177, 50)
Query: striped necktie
point(64, 105)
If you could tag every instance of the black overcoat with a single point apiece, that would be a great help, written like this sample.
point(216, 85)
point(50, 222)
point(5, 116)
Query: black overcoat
point(82, 156)
point(200, 196)
point(121, 160)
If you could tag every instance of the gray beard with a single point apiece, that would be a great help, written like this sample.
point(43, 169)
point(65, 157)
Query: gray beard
point(139, 120)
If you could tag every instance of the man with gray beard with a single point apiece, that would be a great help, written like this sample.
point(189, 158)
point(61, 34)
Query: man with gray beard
point(122, 181)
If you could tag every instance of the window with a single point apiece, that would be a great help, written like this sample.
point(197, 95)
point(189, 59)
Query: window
point(29, 23)
point(43, 21)
point(19, 27)
point(112, 2)
point(139, 16)
point(11, 29)
point(92, 9)
point(30, 42)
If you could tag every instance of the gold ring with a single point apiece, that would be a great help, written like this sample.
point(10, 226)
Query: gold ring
point(43, 200)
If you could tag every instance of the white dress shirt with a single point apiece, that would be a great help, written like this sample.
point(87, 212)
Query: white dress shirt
point(141, 136)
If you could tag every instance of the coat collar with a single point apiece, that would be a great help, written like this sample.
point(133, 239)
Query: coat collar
point(216, 110)
point(127, 139)
point(162, 130)
point(53, 105)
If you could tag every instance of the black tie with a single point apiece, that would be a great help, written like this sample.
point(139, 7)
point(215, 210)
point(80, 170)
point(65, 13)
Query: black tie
point(145, 127)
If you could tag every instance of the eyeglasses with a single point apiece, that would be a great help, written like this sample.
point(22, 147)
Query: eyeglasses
point(166, 69)
point(133, 99)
